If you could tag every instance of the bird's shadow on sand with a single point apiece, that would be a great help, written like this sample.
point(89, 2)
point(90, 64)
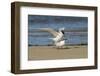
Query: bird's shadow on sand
point(67, 47)
point(64, 48)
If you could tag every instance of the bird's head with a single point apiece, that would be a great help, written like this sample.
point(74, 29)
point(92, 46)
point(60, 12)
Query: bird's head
point(62, 30)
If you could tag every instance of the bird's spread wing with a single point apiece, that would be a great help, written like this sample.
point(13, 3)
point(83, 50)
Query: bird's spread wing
point(53, 32)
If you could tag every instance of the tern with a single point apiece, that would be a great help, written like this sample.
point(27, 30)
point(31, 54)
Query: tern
point(58, 36)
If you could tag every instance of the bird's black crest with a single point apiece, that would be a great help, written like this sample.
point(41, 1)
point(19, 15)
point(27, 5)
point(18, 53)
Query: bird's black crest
point(62, 31)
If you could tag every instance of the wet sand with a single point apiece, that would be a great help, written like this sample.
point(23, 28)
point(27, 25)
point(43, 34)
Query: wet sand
point(52, 53)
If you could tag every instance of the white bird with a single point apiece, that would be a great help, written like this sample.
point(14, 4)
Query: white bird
point(60, 43)
point(58, 36)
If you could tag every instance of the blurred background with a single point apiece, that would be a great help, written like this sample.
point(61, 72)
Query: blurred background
point(75, 29)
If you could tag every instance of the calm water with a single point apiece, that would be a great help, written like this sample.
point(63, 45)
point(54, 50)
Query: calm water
point(56, 22)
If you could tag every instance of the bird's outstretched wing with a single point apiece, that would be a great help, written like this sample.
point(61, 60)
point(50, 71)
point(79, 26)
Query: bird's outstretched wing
point(53, 32)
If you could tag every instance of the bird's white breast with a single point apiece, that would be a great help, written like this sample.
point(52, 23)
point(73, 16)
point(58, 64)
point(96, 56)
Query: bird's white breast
point(60, 43)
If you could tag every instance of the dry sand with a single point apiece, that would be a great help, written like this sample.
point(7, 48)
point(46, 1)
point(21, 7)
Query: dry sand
point(51, 53)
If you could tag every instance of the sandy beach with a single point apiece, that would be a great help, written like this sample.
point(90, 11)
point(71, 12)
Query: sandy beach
point(51, 53)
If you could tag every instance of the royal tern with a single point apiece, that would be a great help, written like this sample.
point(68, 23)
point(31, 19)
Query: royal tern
point(58, 36)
